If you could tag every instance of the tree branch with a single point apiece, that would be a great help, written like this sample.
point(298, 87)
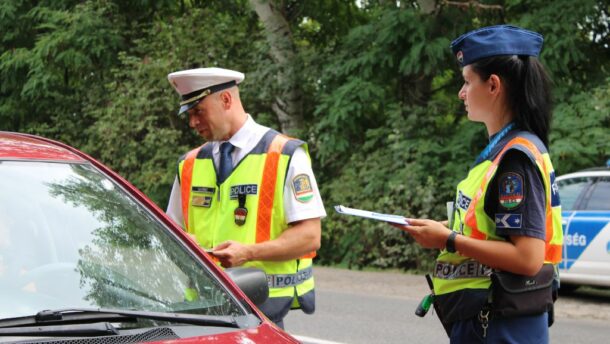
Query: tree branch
point(473, 4)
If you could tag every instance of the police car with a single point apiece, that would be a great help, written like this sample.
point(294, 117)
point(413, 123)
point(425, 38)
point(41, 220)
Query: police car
point(585, 202)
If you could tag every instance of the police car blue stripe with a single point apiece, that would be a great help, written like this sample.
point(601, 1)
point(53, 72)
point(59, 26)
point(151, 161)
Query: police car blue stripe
point(582, 228)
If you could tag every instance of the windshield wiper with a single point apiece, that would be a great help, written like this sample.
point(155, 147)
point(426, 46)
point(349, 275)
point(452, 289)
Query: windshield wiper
point(90, 315)
point(79, 330)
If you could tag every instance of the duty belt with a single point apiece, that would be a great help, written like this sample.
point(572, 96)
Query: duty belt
point(467, 269)
point(289, 280)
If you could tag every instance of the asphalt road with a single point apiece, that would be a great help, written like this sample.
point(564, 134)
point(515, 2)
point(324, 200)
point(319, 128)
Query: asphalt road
point(378, 307)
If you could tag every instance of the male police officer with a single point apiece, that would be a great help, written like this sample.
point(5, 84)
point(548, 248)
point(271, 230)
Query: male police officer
point(249, 193)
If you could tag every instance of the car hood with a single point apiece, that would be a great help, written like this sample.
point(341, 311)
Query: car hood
point(265, 333)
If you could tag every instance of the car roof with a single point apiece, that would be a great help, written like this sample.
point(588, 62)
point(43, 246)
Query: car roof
point(590, 172)
point(18, 146)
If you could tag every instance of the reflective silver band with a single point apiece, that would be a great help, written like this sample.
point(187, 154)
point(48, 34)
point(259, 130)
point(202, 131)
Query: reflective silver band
point(467, 269)
point(289, 280)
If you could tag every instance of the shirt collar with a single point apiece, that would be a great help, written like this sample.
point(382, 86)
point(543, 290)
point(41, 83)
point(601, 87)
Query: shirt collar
point(240, 138)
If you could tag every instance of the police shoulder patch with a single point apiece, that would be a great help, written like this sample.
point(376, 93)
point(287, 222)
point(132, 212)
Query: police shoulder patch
point(511, 191)
point(301, 185)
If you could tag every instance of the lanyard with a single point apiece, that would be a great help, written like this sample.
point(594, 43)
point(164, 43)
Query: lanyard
point(499, 136)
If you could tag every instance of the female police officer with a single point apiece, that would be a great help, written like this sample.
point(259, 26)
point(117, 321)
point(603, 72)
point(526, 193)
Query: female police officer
point(506, 215)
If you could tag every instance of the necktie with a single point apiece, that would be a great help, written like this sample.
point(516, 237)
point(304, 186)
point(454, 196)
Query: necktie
point(226, 163)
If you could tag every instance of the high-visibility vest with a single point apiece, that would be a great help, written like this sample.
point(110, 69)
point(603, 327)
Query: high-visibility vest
point(454, 272)
point(209, 208)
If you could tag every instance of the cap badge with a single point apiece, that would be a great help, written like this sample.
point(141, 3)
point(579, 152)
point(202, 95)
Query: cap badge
point(197, 97)
point(460, 56)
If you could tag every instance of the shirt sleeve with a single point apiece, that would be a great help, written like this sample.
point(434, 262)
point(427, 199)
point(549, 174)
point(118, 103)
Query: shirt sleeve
point(516, 199)
point(301, 195)
point(174, 206)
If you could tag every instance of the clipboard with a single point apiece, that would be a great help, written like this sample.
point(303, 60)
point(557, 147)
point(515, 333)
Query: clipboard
point(398, 219)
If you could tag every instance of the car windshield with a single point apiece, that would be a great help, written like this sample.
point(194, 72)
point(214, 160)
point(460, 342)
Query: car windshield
point(71, 237)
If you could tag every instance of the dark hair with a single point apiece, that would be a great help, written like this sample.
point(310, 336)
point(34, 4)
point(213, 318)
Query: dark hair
point(528, 90)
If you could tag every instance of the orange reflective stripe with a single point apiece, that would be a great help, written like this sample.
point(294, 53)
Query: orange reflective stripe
point(309, 255)
point(185, 183)
point(267, 195)
point(553, 253)
point(470, 218)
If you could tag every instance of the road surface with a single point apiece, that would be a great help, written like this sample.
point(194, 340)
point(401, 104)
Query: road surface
point(378, 307)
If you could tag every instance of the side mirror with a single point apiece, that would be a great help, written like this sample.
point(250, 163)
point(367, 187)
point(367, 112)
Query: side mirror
point(252, 281)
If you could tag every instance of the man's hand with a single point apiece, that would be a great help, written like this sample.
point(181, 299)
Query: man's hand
point(297, 240)
point(232, 253)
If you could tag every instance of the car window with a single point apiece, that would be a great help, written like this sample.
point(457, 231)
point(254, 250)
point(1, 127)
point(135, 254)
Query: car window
point(600, 195)
point(570, 189)
point(71, 237)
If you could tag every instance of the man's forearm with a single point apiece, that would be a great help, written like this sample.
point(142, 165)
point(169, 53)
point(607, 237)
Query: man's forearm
point(296, 241)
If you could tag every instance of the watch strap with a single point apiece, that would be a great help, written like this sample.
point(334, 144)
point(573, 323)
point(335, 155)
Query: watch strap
point(450, 244)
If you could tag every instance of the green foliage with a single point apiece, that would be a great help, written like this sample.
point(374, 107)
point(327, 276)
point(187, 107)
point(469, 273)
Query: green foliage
point(397, 60)
point(581, 137)
point(50, 64)
point(569, 51)
point(322, 23)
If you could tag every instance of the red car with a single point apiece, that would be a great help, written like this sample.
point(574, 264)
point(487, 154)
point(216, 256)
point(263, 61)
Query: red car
point(85, 257)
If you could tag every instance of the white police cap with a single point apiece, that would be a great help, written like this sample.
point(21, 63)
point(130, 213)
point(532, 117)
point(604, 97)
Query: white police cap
point(194, 84)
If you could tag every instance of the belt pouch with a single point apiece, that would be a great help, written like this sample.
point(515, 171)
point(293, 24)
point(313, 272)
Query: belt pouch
point(517, 295)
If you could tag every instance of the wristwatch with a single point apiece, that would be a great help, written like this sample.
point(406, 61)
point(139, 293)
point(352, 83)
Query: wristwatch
point(450, 244)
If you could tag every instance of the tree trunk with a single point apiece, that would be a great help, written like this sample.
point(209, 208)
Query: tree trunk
point(288, 103)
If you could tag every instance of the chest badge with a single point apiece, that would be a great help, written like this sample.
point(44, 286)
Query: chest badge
point(201, 201)
point(202, 196)
point(241, 212)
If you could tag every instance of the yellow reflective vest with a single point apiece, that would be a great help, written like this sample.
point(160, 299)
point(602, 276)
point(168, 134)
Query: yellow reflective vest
point(257, 182)
point(455, 273)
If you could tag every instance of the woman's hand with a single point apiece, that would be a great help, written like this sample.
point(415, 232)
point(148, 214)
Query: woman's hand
point(521, 255)
point(428, 233)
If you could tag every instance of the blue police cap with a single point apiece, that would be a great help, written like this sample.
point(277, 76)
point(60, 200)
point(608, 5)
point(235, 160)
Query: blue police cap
point(496, 40)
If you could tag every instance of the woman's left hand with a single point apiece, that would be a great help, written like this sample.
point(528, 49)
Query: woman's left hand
point(428, 233)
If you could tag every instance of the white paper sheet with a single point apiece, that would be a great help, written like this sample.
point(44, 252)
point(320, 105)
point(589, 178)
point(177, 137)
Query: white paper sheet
point(371, 215)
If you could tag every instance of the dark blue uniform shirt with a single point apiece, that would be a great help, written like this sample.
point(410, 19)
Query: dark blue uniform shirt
point(528, 214)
